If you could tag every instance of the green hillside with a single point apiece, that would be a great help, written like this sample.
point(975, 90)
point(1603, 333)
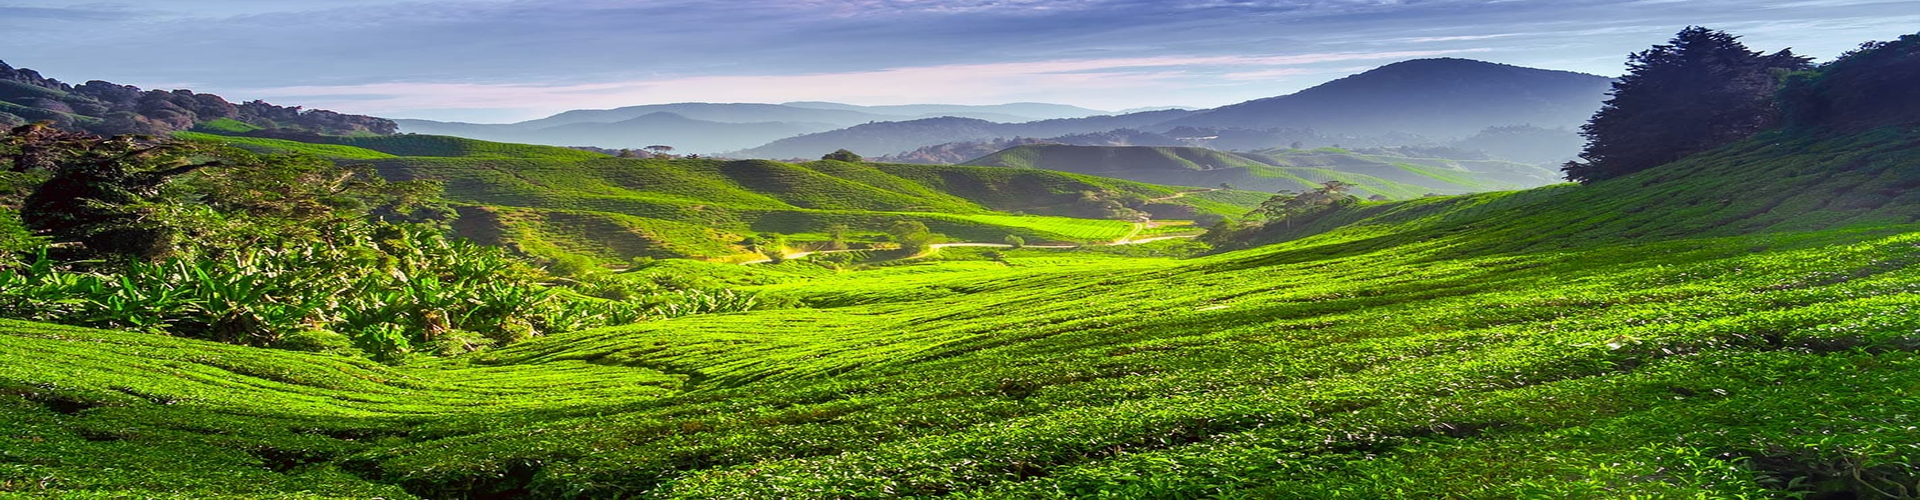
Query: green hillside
point(728, 200)
point(1388, 175)
point(1736, 325)
point(552, 202)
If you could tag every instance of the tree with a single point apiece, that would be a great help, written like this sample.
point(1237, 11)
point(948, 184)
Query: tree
point(660, 150)
point(1701, 91)
point(1286, 205)
point(103, 193)
point(837, 236)
point(843, 155)
point(1015, 241)
point(913, 236)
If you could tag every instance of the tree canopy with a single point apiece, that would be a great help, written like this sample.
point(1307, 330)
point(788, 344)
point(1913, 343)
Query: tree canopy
point(1701, 91)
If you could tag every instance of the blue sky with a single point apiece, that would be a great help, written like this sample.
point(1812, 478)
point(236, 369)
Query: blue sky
point(493, 60)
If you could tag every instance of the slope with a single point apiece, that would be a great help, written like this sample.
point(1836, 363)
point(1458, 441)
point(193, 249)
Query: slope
point(1277, 170)
point(709, 205)
point(1478, 355)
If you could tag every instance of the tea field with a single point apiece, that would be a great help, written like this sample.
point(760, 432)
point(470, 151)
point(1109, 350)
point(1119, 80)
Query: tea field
point(1738, 336)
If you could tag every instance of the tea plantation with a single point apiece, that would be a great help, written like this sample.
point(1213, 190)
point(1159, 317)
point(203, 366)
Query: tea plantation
point(1740, 324)
point(553, 202)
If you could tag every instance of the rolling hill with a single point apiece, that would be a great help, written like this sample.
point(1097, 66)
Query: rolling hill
point(1738, 323)
point(1551, 342)
point(707, 128)
point(1382, 174)
point(550, 201)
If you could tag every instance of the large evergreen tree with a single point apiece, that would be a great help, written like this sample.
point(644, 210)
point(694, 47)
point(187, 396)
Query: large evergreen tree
point(1703, 90)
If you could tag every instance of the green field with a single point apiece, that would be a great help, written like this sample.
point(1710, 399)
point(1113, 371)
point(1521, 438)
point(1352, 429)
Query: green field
point(1386, 173)
point(1735, 325)
point(556, 202)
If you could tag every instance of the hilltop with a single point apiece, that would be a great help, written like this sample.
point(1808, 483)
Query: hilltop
point(715, 127)
point(107, 108)
point(1388, 173)
point(1439, 98)
point(893, 137)
point(553, 202)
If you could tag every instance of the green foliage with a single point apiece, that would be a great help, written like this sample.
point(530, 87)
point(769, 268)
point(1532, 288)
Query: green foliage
point(1862, 89)
point(843, 155)
point(391, 289)
point(1702, 91)
point(277, 146)
point(226, 126)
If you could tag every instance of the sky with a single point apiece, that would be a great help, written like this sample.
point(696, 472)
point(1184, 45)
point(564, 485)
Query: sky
point(492, 61)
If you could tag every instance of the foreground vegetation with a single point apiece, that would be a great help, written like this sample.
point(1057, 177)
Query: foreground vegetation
point(1326, 366)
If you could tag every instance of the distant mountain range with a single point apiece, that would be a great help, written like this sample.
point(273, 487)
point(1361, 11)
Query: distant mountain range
point(717, 127)
point(907, 135)
point(1425, 101)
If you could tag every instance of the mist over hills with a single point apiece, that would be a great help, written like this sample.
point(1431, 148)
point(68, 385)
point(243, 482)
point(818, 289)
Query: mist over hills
point(706, 128)
point(907, 135)
point(1418, 102)
point(1439, 98)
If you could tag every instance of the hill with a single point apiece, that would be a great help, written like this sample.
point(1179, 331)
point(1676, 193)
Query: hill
point(894, 137)
point(1735, 324)
point(1386, 174)
point(1419, 102)
point(1438, 98)
point(715, 127)
point(657, 128)
point(1537, 343)
point(110, 109)
point(704, 208)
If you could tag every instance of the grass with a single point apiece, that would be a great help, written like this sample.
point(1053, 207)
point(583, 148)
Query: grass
point(275, 146)
point(731, 199)
point(1745, 333)
point(1393, 176)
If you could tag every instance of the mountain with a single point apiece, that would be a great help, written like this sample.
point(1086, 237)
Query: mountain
point(110, 109)
point(714, 127)
point(894, 137)
point(1437, 98)
point(1389, 173)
